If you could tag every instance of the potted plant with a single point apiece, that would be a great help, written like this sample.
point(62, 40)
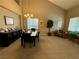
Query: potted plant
point(49, 26)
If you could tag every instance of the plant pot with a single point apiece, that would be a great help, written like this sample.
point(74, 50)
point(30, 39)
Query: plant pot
point(49, 34)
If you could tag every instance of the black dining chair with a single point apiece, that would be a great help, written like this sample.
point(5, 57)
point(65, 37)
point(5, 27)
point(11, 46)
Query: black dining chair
point(26, 38)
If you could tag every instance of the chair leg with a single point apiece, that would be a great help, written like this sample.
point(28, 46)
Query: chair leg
point(21, 42)
point(24, 45)
point(30, 44)
point(34, 42)
point(38, 39)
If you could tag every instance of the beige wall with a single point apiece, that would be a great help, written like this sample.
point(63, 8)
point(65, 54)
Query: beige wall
point(10, 8)
point(11, 5)
point(43, 9)
point(74, 12)
point(6, 12)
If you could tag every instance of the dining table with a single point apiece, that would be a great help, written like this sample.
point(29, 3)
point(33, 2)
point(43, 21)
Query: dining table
point(29, 38)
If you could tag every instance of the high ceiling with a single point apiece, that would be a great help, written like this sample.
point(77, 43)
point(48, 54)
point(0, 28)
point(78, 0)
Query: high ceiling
point(66, 4)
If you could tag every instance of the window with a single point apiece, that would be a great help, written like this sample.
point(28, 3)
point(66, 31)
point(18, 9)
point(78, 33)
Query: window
point(32, 23)
point(74, 24)
point(58, 24)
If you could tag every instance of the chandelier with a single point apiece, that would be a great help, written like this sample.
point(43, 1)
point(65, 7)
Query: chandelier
point(28, 14)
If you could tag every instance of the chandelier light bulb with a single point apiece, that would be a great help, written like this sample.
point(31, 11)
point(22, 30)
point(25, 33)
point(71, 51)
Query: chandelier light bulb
point(31, 15)
point(25, 15)
point(28, 14)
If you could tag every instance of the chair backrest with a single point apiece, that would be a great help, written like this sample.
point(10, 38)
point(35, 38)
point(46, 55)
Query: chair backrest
point(25, 35)
point(33, 29)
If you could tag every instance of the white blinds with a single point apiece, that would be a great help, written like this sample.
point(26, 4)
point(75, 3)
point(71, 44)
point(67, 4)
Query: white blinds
point(74, 24)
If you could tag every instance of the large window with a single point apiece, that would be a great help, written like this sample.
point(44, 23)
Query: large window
point(74, 24)
point(32, 23)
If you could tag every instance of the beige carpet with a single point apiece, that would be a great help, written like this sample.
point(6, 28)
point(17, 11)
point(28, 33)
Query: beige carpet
point(49, 47)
